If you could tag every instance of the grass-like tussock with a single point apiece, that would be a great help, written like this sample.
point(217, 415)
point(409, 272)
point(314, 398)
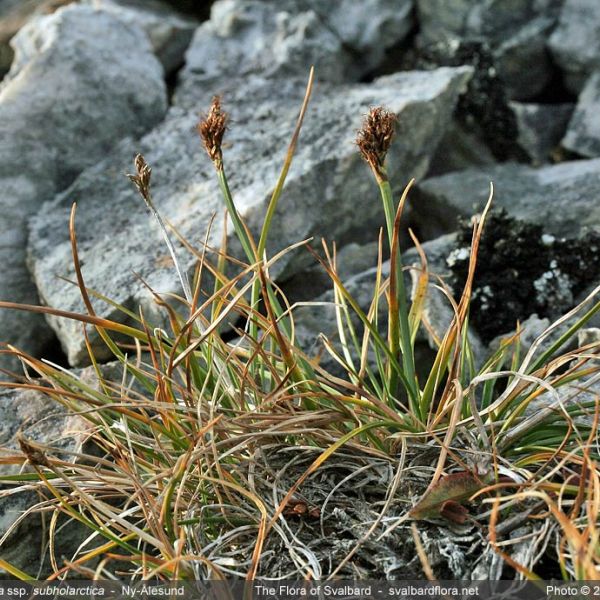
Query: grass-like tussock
point(182, 476)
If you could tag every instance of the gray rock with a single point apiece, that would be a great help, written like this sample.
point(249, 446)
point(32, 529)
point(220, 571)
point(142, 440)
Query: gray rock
point(443, 20)
point(560, 197)
point(7, 6)
point(531, 328)
point(13, 15)
point(45, 422)
point(81, 80)
point(523, 61)
point(460, 149)
point(355, 258)
point(497, 20)
point(244, 37)
point(589, 335)
point(541, 128)
point(343, 40)
point(329, 191)
point(516, 32)
point(583, 133)
point(63, 434)
point(367, 28)
point(168, 31)
point(575, 43)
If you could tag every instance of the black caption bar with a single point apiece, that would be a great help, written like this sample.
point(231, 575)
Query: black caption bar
point(299, 590)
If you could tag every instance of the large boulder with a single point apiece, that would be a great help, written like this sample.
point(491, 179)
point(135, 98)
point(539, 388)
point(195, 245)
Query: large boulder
point(80, 81)
point(516, 32)
point(61, 433)
point(443, 20)
point(575, 43)
point(367, 28)
point(329, 191)
point(342, 39)
point(13, 15)
point(563, 198)
point(169, 32)
point(579, 397)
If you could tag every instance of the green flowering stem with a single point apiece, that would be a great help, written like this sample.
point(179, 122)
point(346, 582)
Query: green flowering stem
point(238, 225)
point(399, 327)
point(374, 140)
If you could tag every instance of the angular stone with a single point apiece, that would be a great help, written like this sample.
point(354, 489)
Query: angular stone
point(531, 328)
point(589, 335)
point(368, 28)
point(13, 15)
point(45, 422)
point(168, 31)
point(575, 43)
point(443, 20)
point(329, 191)
point(515, 31)
point(583, 133)
point(556, 197)
point(460, 149)
point(351, 259)
point(81, 80)
point(285, 38)
point(523, 61)
point(582, 393)
point(245, 37)
point(541, 128)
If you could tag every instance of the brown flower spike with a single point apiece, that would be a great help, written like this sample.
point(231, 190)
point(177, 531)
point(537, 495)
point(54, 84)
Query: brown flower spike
point(142, 178)
point(212, 129)
point(375, 138)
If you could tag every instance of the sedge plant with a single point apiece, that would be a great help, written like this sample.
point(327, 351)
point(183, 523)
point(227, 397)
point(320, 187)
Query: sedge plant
point(166, 474)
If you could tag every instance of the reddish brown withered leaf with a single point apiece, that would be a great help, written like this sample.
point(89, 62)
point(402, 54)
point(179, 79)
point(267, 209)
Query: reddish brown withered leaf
point(453, 488)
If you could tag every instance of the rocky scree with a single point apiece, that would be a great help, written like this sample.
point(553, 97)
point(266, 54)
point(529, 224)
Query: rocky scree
point(516, 33)
point(55, 122)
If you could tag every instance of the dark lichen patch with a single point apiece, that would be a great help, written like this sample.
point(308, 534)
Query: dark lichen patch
point(484, 108)
point(521, 270)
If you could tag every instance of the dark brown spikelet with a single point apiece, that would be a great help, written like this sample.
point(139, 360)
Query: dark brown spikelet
point(141, 179)
point(212, 128)
point(375, 138)
point(34, 454)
